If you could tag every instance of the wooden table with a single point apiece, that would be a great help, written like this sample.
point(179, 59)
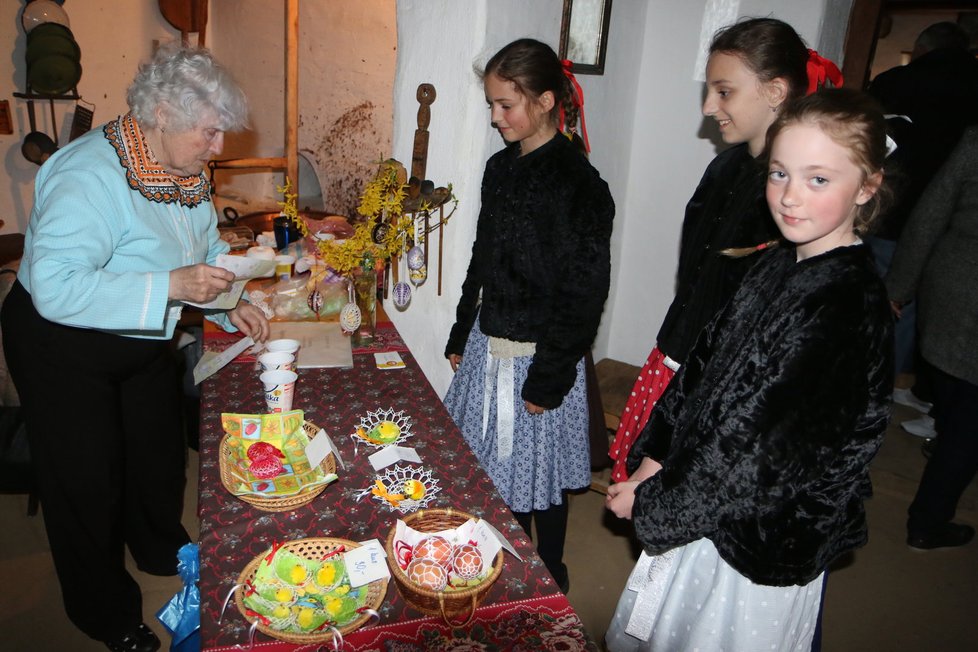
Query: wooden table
point(524, 610)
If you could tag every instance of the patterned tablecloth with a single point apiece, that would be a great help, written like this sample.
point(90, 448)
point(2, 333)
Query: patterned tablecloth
point(524, 610)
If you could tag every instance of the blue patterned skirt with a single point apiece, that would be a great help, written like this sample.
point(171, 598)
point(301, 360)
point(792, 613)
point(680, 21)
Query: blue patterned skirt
point(549, 451)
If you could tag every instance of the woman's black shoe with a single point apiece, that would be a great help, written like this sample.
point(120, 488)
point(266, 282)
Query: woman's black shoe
point(141, 639)
point(950, 535)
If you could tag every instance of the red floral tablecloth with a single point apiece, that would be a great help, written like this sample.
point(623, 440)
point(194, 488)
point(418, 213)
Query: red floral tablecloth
point(523, 611)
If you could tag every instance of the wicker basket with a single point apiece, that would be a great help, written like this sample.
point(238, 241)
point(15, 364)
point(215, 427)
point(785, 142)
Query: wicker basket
point(447, 604)
point(310, 549)
point(277, 503)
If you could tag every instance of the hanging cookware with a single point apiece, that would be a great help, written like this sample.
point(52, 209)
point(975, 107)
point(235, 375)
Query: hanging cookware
point(186, 16)
point(37, 146)
point(81, 122)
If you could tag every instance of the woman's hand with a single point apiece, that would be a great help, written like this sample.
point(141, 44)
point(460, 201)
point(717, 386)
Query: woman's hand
point(455, 360)
point(621, 498)
point(198, 283)
point(645, 470)
point(533, 409)
point(249, 320)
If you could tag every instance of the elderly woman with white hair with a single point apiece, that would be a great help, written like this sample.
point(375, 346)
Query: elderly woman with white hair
point(122, 232)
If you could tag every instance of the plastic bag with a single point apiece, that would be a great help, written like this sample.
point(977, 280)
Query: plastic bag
point(291, 300)
point(181, 615)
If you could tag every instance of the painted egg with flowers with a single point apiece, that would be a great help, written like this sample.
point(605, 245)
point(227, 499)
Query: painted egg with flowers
point(402, 294)
point(415, 257)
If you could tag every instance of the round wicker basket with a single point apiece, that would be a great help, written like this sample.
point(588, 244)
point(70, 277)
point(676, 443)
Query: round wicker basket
point(447, 604)
point(310, 549)
point(275, 503)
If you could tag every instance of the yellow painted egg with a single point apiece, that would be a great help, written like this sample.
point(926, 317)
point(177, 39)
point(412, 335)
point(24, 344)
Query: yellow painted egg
point(298, 574)
point(326, 575)
point(305, 617)
point(388, 431)
point(414, 489)
point(283, 595)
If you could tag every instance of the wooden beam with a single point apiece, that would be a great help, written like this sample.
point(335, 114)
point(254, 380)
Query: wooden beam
point(864, 22)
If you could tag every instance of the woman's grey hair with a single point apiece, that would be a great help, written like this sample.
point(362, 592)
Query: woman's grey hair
point(185, 83)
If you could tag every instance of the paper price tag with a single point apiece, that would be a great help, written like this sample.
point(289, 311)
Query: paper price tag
point(211, 364)
point(319, 447)
point(391, 454)
point(486, 535)
point(366, 564)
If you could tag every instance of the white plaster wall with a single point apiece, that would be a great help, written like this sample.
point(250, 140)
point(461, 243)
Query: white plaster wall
point(648, 138)
point(108, 65)
point(346, 56)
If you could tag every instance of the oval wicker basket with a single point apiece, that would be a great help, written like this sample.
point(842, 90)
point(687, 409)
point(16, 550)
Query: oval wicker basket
point(277, 503)
point(447, 604)
point(316, 548)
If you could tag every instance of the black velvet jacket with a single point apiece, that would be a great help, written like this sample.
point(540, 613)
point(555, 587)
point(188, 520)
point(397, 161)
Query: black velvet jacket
point(766, 433)
point(542, 261)
point(727, 210)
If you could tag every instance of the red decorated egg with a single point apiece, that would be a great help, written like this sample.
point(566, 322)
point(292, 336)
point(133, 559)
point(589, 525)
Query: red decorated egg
point(426, 573)
point(467, 562)
point(263, 449)
point(265, 468)
point(438, 549)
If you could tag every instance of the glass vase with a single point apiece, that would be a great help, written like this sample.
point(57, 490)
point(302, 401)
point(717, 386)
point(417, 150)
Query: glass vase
point(365, 293)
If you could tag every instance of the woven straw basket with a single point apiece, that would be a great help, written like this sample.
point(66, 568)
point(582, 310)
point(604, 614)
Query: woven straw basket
point(448, 604)
point(275, 503)
point(310, 549)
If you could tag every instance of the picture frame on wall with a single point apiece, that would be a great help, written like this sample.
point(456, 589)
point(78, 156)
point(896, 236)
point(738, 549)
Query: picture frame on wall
point(584, 34)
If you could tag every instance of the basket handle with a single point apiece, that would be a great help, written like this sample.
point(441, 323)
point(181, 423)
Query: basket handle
point(448, 621)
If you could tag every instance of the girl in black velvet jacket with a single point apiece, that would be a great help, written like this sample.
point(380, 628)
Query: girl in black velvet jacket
point(753, 468)
point(532, 298)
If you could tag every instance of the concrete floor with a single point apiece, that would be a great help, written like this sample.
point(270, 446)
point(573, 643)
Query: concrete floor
point(885, 597)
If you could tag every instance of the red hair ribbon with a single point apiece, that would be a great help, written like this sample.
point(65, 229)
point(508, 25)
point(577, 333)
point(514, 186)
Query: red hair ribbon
point(820, 69)
point(577, 98)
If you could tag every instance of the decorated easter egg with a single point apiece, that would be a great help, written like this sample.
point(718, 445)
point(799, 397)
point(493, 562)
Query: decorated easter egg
point(402, 294)
point(438, 549)
point(415, 257)
point(467, 562)
point(414, 489)
point(263, 449)
point(265, 468)
point(350, 317)
point(426, 573)
point(418, 276)
point(387, 431)
point(380, 232)
point(315, 301)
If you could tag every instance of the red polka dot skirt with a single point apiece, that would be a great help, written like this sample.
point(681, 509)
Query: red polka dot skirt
point(651, 383)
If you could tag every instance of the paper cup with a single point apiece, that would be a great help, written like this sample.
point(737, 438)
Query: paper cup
point(287, 346)
point(279, 387)
point(277, 360)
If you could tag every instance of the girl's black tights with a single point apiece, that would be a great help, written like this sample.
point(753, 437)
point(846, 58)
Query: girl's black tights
point(551, 532)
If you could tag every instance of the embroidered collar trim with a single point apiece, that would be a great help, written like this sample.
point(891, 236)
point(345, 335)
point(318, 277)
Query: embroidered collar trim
point(145, 175)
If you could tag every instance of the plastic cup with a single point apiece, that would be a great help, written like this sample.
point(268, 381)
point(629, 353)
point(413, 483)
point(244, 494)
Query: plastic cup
point(279, 346)
point(276, 360)
point(283, 267)
point(279, 387)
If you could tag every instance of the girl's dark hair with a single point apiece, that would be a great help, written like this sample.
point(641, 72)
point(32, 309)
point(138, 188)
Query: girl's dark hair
point(853, 120)
point(533, 67)
point(770, 48)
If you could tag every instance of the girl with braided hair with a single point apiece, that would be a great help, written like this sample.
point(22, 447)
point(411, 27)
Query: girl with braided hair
point(541, 263)
point(756, 67)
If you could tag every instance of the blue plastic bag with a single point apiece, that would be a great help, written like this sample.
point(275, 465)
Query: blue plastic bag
point(181, 615)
